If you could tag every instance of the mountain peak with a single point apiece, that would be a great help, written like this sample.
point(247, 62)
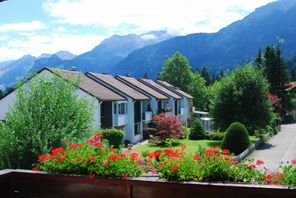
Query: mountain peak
point(65, 55)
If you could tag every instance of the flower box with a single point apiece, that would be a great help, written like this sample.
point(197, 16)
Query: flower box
point(23, 183)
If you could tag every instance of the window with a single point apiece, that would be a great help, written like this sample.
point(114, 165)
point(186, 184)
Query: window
point(121, 108)
point(115, 108)
point(137, 128)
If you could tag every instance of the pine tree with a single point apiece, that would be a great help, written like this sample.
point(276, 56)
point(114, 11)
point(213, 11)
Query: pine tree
point(1, 93)
point(259, 59)
point(146, 76)
point(206, 76)
point(276, 72)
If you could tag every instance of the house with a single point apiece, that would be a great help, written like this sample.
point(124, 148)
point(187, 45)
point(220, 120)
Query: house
point(98, 95)
point(120, 102)
point(130, 112)
point(187, 100)
point(151, 107)
point(171, 106)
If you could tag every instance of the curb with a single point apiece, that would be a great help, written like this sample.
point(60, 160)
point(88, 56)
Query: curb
point(249, 150)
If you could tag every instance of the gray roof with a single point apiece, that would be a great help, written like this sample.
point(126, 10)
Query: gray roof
point(88, 85)
point(174, 89)
point(143, 87)
point(120, 86)
point(160, 88)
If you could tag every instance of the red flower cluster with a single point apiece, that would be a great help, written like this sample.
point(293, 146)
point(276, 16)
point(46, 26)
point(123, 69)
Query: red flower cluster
point(74, 146)
point(56, 151)
point(96, 140)
point(196, 157)
point(171, 153)
point(175, 168)
point(273, 179)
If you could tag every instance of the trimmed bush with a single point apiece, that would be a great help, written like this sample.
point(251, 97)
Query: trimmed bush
point(114, 137)
point(197, 131)
point(215, 135)
point(236, 138)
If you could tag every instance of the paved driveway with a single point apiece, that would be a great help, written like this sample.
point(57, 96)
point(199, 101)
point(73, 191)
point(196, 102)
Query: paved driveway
point(280, 148)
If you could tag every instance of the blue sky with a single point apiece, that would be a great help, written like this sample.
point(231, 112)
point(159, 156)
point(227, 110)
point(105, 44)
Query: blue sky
point(47, 26)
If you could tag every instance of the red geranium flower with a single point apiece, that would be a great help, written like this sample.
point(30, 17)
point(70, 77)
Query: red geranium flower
point(196, 157)
point(125, 176)
point(105, 163)
point(42, 158)
point(153, 170)
point(175, 168)
point(35, 169)
point(259, 162)
point(226, 151)
point(91, 159)
point(74, 146)
point(91, 176)
point(55, 151)
point(252, 166)
point(293, 162)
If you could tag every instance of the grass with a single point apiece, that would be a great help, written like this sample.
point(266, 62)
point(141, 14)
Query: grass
point(192, 146)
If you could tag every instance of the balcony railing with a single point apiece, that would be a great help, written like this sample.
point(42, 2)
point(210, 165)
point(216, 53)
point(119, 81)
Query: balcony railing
point(21, 183)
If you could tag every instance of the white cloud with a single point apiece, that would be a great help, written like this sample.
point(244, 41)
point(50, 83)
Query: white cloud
point(178, 16)
point(22, 27)
point(37, 44)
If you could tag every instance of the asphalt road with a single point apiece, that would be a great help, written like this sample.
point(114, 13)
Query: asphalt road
point(281, 148)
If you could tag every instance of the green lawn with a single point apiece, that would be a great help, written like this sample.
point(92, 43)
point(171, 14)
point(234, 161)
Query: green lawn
point(191, 145)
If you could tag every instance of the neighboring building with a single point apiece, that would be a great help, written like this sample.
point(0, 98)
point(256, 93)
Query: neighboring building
point(130, 111)
point(187, 101)
point(95, 93)
point(173, 105)
point(156, 98)
point(120, 102)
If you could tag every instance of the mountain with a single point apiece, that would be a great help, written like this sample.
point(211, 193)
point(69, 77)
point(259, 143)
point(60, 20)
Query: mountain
point(235, 44)
point(52, 60)
point(107, 54)
point(114, 49)
point(16, 69)
point(65, 55)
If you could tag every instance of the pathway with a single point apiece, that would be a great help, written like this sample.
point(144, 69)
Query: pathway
point(280, 148)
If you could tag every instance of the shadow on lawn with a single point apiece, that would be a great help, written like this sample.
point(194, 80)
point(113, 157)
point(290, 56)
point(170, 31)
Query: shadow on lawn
point(213, 144)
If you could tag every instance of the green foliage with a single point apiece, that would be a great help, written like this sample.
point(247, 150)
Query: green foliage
point(276, 73)
point(212, 164)
point(177, 71)
point(288, 177)
point(198, 89)
point(45, 114)
point(241, 96)
point(197, 131)
point(215, 135)
point(114, 137)
point(236, 138)
point(92, 158)
point(1, 93)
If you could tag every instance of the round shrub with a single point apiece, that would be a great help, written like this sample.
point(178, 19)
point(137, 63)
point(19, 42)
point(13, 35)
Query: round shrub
point(215, 135)
point(114, 137)
point(236, 138)
point(197, 131)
